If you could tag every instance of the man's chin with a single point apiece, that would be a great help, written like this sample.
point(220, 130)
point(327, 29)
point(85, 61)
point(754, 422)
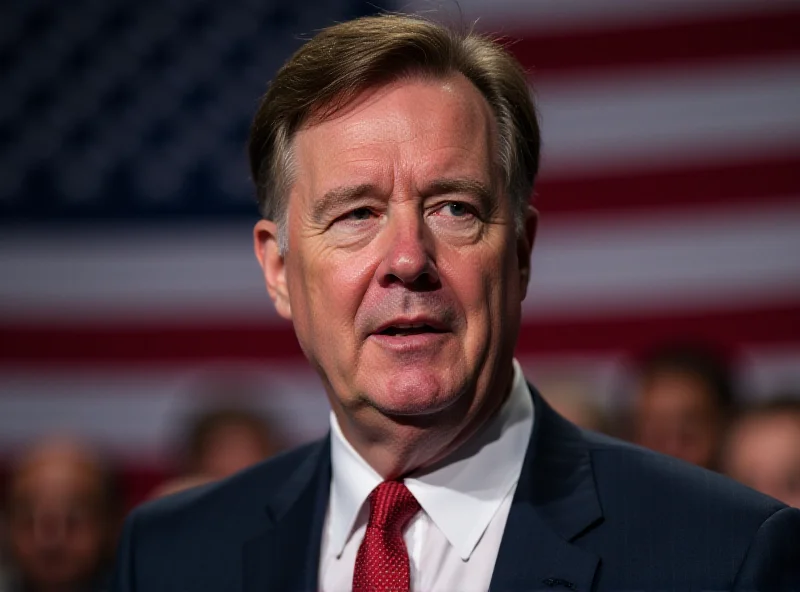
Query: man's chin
point(413, 393)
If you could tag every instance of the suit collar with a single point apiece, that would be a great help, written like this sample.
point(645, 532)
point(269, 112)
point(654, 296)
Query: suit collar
point(285, 555)
point(558, 478)
point(555, 503)
point(305, 476)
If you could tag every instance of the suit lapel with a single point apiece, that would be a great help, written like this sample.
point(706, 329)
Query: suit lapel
point(285, 556)
point(555, 502)
point(533, 557)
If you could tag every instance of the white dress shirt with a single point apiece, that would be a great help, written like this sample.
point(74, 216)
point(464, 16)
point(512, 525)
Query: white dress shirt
point(453, 542)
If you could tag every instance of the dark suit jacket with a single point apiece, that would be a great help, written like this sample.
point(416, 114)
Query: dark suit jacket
point(589, 513)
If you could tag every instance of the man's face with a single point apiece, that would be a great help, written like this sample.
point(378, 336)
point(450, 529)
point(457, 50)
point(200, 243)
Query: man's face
point(676, 415)
point(764, 453)
point(58, 529)
point(404, 273)
point(232, 447)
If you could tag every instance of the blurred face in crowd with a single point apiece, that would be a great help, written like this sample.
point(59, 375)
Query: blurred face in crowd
point(404, 273)
point(764, 453)
point(676, 414)
point(58, 520)
point(572, 400)
point(230, 448)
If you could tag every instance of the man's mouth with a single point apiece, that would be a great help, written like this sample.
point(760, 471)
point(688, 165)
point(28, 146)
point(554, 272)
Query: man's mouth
point(406, 329)
point(416, 335)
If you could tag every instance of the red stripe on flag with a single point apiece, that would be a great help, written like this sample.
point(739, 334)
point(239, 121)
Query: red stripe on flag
point(673, 43)
point(128, 344)
point(775, 325)
point(747, 182)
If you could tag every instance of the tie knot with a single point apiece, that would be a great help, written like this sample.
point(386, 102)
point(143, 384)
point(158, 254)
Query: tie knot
point(392, 505)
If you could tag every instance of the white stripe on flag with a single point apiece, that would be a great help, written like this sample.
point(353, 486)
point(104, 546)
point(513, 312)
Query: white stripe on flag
point(674, 260)
point(633, 119)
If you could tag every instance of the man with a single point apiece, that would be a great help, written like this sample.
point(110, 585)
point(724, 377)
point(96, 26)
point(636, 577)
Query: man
point(394, 160)
point(683, 403)
point(62, 520)
point(763, 449)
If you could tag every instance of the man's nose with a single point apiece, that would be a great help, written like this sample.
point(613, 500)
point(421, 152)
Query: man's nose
point(409, 255)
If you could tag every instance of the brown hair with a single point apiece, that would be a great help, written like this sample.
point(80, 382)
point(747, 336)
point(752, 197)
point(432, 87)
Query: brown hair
point(346, 59)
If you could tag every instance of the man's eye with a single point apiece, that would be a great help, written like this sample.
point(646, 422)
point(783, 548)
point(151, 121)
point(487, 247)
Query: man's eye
point(456, 209)
point(358, 214)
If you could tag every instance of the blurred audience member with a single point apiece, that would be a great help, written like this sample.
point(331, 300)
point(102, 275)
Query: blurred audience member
point(221, 442)
point(63, 517)
point(572, 400)
point(763, 449)
point(683, 403)
point(218, 443)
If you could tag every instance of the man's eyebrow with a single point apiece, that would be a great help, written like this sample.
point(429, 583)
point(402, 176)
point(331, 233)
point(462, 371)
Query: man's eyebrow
point(468, 186)
point(338, 196)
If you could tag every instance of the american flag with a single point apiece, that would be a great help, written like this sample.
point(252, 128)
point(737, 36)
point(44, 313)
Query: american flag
point(669, 199)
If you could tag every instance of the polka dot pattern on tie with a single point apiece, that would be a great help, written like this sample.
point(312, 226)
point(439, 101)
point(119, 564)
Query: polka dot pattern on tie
point(382, 561)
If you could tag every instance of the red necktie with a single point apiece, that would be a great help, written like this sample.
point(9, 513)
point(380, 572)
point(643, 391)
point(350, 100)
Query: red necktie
point(382, 560)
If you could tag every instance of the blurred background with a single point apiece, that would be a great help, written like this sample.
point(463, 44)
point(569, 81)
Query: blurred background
point(665, 297)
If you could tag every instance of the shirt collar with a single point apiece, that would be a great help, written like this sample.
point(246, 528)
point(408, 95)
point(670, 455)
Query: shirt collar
point(473, 481)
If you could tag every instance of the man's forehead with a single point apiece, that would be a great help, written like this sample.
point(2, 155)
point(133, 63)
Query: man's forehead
point(52, 475)
point(57, 463)
point(444, 125)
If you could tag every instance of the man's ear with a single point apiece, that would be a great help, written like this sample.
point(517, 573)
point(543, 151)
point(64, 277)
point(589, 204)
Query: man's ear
point(525, 247)
point(268, 253)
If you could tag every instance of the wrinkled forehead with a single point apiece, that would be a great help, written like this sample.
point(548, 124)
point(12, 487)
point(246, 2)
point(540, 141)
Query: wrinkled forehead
point(779, 424)
point(435, 114)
